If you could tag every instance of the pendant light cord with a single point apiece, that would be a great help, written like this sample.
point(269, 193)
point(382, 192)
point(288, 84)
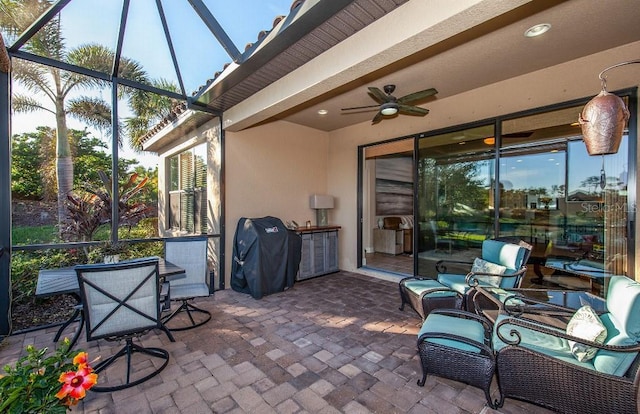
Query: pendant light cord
point(603, 79)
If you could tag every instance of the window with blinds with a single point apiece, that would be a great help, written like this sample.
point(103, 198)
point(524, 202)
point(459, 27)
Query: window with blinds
point(188, 191)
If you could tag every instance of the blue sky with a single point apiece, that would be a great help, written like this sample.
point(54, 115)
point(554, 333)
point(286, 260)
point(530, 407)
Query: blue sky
point(198, 52)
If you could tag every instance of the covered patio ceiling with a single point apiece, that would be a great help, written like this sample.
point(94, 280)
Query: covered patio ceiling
point(451, 46)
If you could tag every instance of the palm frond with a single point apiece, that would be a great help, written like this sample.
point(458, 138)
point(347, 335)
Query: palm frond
point(92, 56)
point(34, 77)
point(93, 111)
point(17, 15)
point(24, 104)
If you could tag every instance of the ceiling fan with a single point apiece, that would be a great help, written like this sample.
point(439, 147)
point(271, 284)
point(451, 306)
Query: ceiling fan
point(389, 105)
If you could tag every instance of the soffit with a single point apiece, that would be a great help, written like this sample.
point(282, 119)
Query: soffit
point(306, 33)
point(490, 51)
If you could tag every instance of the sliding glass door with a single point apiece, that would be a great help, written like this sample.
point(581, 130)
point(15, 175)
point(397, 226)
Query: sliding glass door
point(455, 201)
point(533, 180)
point(526, 176)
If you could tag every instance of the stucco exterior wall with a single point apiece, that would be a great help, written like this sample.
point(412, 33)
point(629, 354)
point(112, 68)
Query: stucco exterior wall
point(271, 170)
point(208, 133)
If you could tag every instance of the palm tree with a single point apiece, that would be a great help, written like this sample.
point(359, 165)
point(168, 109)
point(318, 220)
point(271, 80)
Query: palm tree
point(149, 109)
point(56, 85)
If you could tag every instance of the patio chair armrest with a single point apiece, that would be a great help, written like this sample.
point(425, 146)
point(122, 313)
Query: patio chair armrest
point(517, 305)
point(513, 336)
point(442, 268)
point(439, 289)
point(472, 280)
point(483, 348)
point(486, 323)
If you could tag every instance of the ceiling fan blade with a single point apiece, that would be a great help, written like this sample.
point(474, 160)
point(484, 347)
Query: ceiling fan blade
point(377, 118)
point(412, 110)
point(416, 96)
point(360, 107)
point(378, 95)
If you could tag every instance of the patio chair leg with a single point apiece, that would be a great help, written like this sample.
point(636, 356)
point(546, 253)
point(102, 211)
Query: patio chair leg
point(128, 350)
point(423, 379)
point(189, 308)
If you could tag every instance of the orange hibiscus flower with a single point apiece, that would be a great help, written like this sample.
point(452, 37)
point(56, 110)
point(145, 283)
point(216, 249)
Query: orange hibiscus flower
point(75, 384)
point(80, 360)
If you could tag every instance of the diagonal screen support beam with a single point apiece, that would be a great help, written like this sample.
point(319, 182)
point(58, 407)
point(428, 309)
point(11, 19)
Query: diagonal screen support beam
point(121, 30)
point(38, 24)
point(172, 51)
point(215, 28)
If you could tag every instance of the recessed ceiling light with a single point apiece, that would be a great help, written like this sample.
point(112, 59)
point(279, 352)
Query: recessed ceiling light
point(322, 112)
point(537, 30)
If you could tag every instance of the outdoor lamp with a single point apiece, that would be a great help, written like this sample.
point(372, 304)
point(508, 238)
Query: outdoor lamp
point(603, 119)
point(321, 203)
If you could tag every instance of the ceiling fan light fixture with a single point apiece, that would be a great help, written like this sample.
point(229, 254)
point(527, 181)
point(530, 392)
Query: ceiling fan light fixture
point(389, 108)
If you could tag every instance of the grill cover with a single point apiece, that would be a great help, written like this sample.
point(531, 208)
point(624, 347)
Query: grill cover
point(266, 256)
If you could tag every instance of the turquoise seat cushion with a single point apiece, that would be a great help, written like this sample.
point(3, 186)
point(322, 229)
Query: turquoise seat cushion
point(552, 346)
point(419, 286)
point(459, 283)
point(608, 362)
point(453, 281)
point(623, 301)
point(467, 328)
point(611, 362)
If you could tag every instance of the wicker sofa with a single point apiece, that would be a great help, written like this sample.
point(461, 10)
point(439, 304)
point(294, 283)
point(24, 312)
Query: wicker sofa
point(535, 363)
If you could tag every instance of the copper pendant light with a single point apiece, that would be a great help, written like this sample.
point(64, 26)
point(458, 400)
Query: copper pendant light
point(603, 119)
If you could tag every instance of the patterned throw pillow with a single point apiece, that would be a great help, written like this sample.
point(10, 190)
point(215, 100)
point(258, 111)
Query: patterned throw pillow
point(482, 266)
point(586, 324)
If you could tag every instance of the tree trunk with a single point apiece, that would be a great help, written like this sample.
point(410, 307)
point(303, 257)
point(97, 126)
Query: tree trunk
point(64, 163)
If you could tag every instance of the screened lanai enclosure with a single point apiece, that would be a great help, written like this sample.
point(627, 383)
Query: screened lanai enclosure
point(82, 85)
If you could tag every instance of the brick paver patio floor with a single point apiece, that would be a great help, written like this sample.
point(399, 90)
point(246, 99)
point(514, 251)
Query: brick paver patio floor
point(333, 344)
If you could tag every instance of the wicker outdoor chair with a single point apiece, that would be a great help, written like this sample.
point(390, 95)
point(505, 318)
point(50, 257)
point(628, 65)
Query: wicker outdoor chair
point(456, 344)
point(535, 362)
point(503, 265)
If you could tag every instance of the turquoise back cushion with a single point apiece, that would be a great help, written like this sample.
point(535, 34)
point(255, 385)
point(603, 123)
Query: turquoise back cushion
point(611, 362)
point(623, 302)
point(506, 254)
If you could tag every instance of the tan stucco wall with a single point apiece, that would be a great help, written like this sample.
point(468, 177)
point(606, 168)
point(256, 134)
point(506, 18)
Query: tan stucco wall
point(271, 170)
